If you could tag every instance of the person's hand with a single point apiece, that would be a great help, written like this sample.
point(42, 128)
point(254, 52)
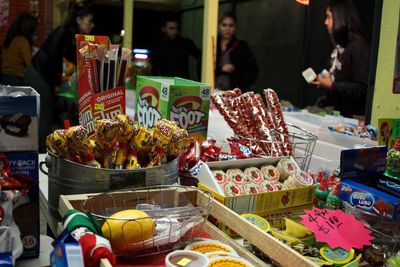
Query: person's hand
point(228, 68)
point(324, 81)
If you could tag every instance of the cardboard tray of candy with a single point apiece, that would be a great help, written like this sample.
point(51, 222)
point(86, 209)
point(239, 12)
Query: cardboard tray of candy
point(259, 190)
point(276, 250)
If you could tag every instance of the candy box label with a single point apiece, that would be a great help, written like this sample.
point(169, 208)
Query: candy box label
point(369, 199)
point(26, 210)
point(183, 101)
point(19, 119)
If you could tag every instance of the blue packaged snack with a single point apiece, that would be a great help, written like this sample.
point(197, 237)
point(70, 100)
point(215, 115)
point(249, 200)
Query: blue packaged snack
point(67, 251)
point(390, 186)
point(369, 199)
point(6, 259)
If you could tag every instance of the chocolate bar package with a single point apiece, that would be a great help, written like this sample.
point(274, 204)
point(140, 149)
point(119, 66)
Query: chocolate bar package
point(18, 118)
point(370, 199)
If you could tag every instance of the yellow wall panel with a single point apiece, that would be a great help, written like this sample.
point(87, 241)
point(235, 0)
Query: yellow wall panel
point(385, 103)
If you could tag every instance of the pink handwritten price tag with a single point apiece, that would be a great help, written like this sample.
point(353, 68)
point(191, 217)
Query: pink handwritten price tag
point(337, 228)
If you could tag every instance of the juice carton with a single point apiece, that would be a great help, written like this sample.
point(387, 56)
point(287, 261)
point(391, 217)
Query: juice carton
point(183, 101)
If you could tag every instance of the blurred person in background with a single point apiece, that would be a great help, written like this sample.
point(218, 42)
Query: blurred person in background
point(170, 55)
point(236, 65)
point(346, 82)
point(45, 72)
point(18, 49)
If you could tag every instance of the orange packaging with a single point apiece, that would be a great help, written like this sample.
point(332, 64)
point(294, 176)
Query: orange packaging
point(94, 102)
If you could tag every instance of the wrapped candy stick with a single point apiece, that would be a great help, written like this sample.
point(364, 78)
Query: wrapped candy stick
point(278, 121)
point(124, 136)
point(106, 140)
point(230, 116)
point(79, 143)
point(140, 143)
point(179, 143)
point(265, 121)
point(57, 143)
point(162, 134)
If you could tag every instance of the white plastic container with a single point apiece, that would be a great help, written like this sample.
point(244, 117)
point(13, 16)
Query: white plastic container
point(327, 150)
point(344, 140)
point(319, 163)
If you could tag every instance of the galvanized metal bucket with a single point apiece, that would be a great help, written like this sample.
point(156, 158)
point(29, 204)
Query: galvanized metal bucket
point(67, 178)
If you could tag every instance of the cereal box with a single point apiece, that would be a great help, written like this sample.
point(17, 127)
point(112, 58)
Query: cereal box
point(183, 101)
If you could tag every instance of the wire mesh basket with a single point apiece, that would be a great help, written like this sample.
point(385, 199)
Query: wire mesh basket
point(149, 220)
point(302, 143)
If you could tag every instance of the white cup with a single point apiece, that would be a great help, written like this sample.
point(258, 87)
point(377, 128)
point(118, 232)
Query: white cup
point(197, 259)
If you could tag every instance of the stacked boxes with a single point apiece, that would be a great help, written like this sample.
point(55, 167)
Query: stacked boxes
point(19, 108)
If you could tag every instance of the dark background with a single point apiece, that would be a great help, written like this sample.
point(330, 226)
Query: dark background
point(285, 36)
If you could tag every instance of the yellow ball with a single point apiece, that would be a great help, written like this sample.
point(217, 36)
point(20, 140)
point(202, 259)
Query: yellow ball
point(124, 233)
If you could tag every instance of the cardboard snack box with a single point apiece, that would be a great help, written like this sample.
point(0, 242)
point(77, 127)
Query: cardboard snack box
point(260, 203)
point(183, 101)
point(19, 118)
point(370, 199)
point(94, 104)
point(24, 167)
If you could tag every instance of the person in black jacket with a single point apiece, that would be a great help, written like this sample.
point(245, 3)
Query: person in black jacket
point(45, 72)
point(347, 80)
point(236, 65)
point(170, 55)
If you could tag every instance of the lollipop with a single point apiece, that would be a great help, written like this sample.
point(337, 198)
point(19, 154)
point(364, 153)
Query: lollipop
point(180, 142)
point(78, 142)
point(141, 142)
point(107, 138)
point(132, 160)
point(57, 143)
point(162, 134)
point(124, 136)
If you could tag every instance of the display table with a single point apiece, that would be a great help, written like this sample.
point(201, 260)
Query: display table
point(44, 257)
point(44, 196)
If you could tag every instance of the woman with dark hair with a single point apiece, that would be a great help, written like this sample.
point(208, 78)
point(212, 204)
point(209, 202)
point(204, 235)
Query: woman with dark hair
point(236, 65)
point(347, 80)
point(45, 72)
point(17, 49)
point(60, 44)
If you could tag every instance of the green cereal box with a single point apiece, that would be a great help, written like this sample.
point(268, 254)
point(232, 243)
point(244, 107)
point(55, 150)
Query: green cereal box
point(183, 101)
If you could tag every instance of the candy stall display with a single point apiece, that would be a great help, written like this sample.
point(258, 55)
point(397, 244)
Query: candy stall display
point(257, 185)
point(119, 144)
point(262, 128)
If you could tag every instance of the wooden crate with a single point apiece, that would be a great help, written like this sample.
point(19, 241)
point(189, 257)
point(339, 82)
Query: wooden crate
point(271, 246)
